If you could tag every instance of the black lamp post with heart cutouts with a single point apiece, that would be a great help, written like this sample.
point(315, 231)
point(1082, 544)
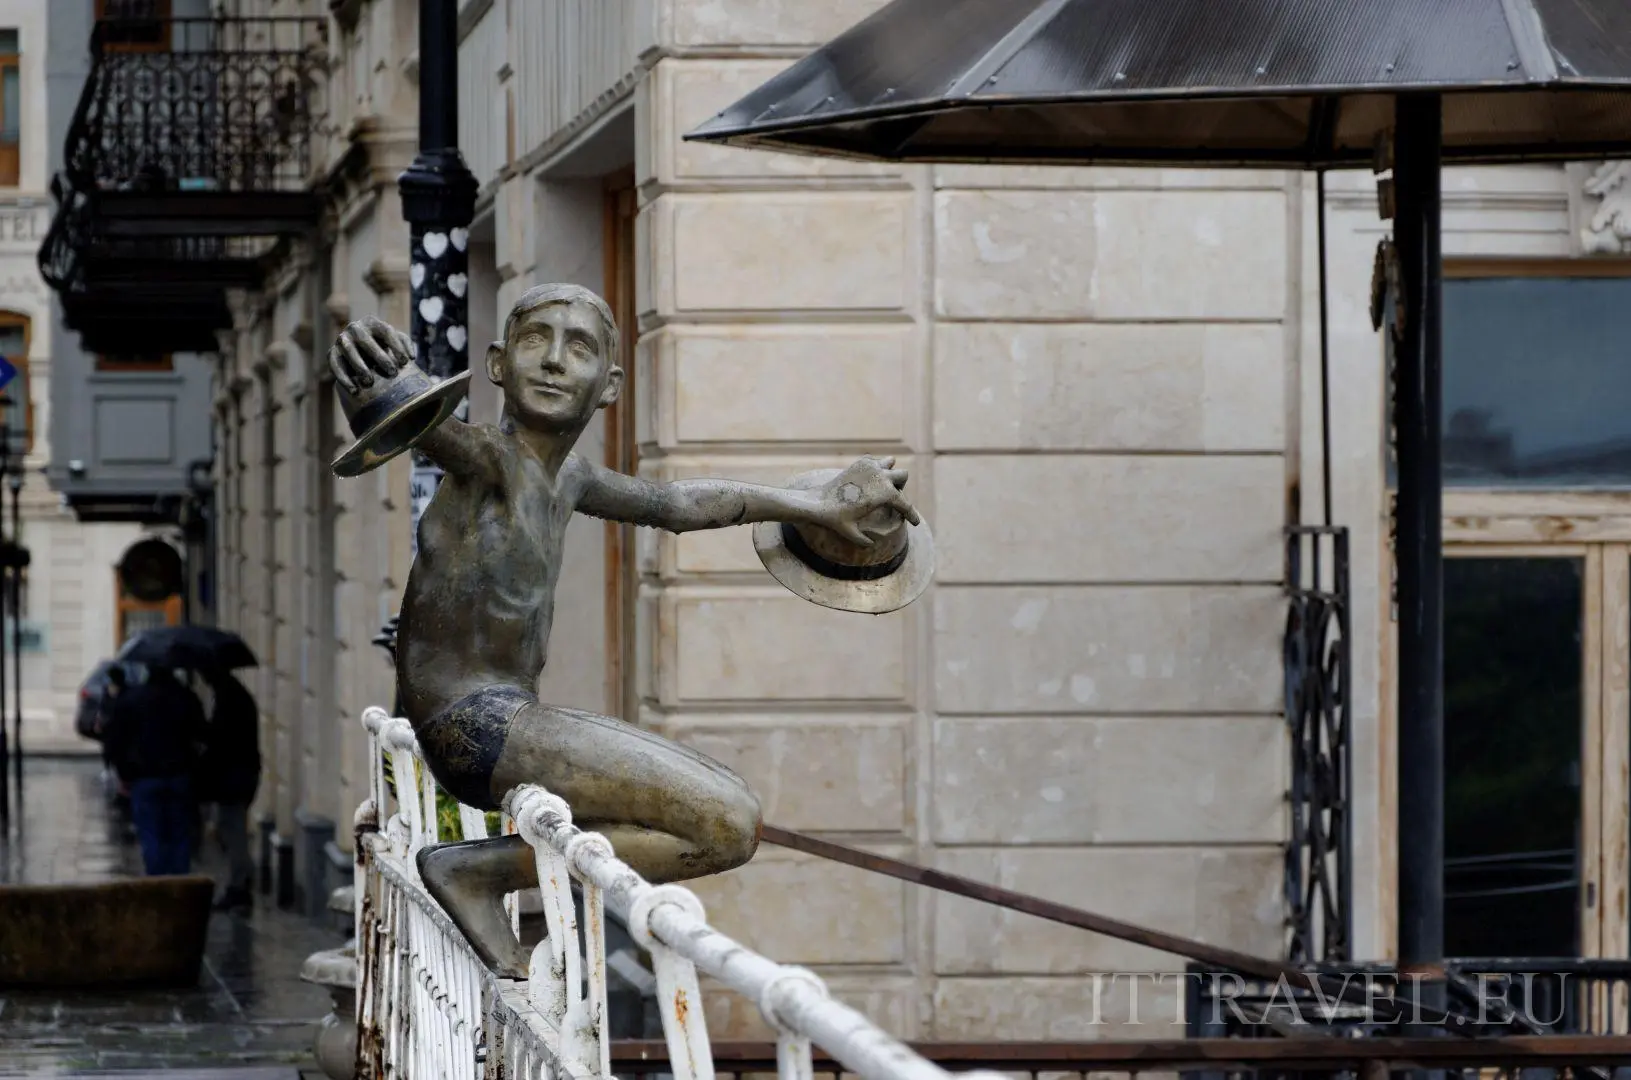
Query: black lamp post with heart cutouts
point(439, 202)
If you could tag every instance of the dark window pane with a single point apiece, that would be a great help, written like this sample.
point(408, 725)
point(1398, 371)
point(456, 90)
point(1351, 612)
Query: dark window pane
point(1512, 732)
point(11, 104)
point(1537, 390)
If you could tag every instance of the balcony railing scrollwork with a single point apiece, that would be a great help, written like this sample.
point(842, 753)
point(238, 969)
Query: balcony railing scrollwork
point(187, 164)
point(1319, 860)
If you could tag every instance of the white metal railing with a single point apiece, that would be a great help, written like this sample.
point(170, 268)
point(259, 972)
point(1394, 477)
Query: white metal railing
point(428, 1008)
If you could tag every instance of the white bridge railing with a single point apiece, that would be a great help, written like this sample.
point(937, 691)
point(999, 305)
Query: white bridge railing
point(427, 1007)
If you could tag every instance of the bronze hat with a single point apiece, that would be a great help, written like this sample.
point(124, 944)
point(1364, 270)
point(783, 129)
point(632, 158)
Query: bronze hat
point(827, 569)
point(395, 414)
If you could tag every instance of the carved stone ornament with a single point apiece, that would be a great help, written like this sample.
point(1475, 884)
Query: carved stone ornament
point(1601, 195)
point(1384, 287)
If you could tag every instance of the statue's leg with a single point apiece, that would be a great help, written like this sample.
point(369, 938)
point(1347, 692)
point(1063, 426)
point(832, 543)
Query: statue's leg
point(669, 812)
point(470, 880)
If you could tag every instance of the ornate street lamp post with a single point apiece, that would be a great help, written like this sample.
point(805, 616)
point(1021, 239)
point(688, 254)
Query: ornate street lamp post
point(438, 201)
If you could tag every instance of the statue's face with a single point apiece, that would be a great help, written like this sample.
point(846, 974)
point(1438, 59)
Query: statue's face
point(554, 369)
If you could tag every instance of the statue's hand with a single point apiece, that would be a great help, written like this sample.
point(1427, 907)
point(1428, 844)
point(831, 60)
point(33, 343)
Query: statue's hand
point(856, 493)
point(366, 350)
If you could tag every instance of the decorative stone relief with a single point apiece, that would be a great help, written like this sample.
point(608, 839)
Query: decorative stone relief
point(25, 284)
point(1600, 204)
point(23, 221)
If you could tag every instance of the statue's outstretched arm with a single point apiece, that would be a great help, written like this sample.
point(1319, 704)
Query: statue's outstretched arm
point(690, 505)
point(370, 351)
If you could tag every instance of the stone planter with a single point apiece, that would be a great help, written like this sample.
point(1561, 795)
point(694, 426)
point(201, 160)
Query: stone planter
point(115, 934)
point(336, 1047)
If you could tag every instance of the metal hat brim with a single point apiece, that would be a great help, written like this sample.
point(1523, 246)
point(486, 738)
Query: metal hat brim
point(876, 597)
point(362, 456)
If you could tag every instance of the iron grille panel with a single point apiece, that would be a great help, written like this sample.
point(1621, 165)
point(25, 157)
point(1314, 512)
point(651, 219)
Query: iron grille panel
point(1318, 674)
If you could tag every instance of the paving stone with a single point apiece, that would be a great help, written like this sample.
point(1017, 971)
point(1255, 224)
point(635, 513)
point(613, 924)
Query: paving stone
point(249, 1018)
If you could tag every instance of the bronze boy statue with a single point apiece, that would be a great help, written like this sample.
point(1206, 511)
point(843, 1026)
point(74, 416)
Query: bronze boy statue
point(475, 622)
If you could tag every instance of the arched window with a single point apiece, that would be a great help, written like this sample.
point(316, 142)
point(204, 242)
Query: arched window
point(18, 412)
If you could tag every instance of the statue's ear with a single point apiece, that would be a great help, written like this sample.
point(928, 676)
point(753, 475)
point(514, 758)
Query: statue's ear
point(495, 363)
point(614, 387)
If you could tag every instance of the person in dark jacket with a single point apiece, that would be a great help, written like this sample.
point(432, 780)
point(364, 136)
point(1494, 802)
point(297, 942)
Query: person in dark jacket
point(229, 775)
point(152, 735)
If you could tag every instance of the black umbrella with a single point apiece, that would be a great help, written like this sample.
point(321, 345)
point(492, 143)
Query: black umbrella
point(1396, 84)
point(196, 648)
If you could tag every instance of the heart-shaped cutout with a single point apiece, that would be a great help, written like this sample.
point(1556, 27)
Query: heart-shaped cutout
point(435, 244)
point(461, 237)
point(416, 274)
point(457, 283)
point(430, 309)
point(456, 337)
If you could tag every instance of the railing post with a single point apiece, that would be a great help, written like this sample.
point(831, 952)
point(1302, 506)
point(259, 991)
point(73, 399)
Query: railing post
point(408, 806)
point(794, 1057)
point(472, 823)
point(679, 997)
point(432, 820)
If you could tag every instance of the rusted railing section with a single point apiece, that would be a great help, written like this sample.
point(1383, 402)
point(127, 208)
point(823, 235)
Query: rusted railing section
point(1309, 1057)
point(426, 1006)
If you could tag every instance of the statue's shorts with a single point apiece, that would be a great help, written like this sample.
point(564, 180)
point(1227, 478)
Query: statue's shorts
point(462, 742)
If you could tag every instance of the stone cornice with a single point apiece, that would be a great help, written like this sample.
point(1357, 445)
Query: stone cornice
point(377, 153)
point(302, 334)
point(387, 274)
point(278, 354)
point(338, 306)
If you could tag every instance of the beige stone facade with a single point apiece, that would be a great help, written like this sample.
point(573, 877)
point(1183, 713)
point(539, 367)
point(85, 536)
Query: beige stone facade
point(1103, 381)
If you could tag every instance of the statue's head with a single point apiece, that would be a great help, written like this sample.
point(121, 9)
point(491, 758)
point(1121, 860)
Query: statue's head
point(557, 361)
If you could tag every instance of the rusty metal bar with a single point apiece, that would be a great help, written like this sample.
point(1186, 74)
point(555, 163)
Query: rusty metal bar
point(1226, 959)
point(1542, 1051)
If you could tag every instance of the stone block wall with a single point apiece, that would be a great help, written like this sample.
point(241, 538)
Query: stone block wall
point(1089, 373)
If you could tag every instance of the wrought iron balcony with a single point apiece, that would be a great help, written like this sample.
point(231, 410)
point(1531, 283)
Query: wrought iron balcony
point(187, 164)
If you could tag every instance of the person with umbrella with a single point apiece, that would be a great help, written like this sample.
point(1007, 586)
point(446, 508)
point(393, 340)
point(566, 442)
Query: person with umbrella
point(152, 737)
point(229, 776)
point(227, 772)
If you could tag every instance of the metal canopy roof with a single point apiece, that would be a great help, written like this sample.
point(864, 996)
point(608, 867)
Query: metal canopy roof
point(1255, 83)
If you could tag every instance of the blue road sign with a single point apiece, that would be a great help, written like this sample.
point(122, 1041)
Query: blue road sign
point(8, 372)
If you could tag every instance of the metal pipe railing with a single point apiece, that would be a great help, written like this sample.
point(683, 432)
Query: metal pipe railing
point(556, 1021)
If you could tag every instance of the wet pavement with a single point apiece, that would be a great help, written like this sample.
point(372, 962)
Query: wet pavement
point(249, 1008)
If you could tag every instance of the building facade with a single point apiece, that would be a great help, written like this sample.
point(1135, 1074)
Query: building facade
point(1106, 384)
point(74, 611)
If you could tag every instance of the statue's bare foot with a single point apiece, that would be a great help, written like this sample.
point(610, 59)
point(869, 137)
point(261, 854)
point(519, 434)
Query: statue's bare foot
point(470, 880)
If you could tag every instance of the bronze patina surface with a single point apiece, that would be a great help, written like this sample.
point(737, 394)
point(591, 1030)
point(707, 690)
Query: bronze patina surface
point(480, 600)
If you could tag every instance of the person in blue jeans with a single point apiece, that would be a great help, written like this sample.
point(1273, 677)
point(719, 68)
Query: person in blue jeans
point(153, 738)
